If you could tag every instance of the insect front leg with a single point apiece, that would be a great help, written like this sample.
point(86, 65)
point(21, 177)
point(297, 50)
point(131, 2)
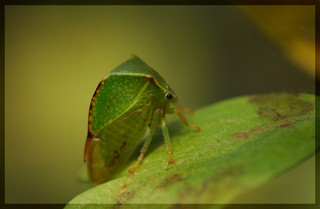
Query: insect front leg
point(178, 112)
point(183, 110)
point(155, 121)
point(166, 138)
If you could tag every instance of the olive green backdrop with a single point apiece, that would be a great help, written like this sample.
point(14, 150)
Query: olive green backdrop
point(55, 56)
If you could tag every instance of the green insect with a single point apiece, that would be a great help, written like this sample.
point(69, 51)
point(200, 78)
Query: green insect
point(128, 101)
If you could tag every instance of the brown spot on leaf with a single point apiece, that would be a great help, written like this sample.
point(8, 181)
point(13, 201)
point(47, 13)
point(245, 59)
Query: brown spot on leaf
point(271, 105)
point(181, 194)
point(267, 127)
point(123, 189)
point(232, 171)
point(175, 177)
point(221, 181)
point(285, 125)
point(282, 108)
point(256, 130)
point(241, 136)
point(170, 181)
point(283, 111)
point(125, 197)
point(247, 134)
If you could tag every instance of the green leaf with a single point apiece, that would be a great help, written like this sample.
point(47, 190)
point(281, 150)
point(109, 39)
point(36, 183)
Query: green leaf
point(243, 142)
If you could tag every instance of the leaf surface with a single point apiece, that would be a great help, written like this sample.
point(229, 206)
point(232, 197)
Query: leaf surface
point(243, 142)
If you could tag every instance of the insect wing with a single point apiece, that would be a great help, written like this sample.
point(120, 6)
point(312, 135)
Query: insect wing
point(113, 97)
point(114, 144)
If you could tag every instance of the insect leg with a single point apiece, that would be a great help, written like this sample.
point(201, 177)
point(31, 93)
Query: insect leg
point(183, 110)
point(178, 112)
point(167, 138)
point(155, 121)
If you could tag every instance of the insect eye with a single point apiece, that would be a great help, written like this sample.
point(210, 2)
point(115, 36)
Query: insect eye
point(168, 96)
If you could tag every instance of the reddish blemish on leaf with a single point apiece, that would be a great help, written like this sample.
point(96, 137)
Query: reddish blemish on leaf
point(123, 189)
point(181, 194)
point(268, 127)
point(125, 197)
point(174, 177)
point(256, 130)
point(247, 134)
point(169, 181)
point(223, 181)
point(285, 125)
point(241, 136)
point(283, 111)
point(278, 107)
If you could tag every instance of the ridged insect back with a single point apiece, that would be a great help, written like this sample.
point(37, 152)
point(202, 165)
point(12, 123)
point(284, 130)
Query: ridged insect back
point(136, 67)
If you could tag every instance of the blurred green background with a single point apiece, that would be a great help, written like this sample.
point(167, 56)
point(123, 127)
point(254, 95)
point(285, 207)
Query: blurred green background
point(55, 56)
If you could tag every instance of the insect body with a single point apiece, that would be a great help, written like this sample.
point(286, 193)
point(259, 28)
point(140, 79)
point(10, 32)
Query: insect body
point(128, 101)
